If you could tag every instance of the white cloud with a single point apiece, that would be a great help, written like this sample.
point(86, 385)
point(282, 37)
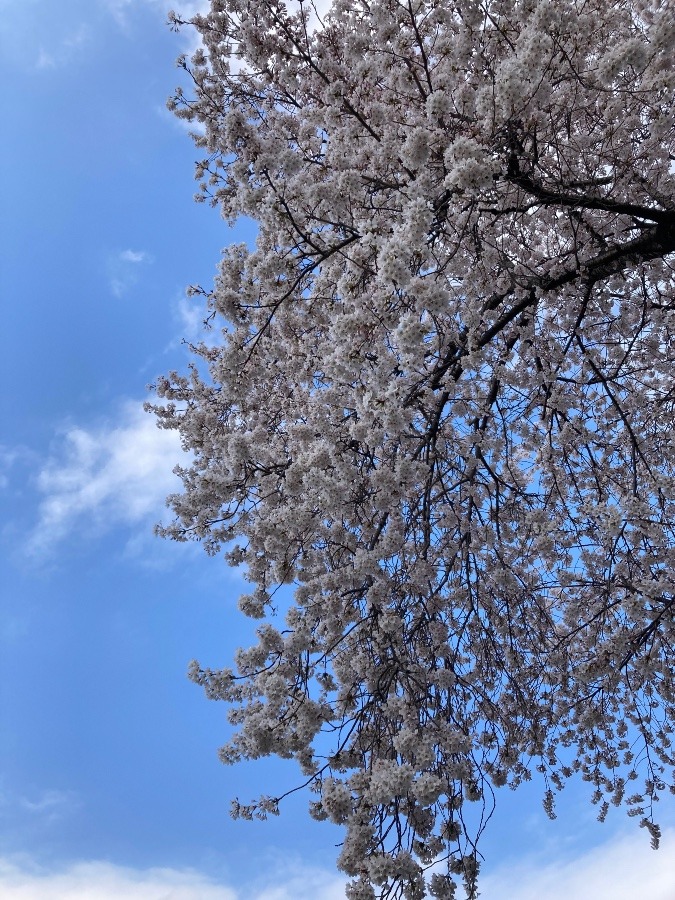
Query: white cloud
point(33, 39)
point(117, 474)
point(61, 53)
point(189, 38)
point(625, 868)
point(194, 323)
point(122, 270)
point(190, 315)
point(122, 10)
point(133, 256)
point(119, 9)
point(8, 457)
point(293, 882)
point(32, 814)
point(622, 869)
point(186, 8)
point(22, 880)
point(103, 881)
point(48, 804)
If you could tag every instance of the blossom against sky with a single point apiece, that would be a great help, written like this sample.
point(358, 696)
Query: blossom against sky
point(109, 780)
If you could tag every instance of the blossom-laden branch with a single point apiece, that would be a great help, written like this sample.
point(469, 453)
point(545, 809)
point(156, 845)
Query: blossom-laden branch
point(441, 409)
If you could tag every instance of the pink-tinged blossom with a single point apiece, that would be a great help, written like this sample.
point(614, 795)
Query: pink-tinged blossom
point(441, 409)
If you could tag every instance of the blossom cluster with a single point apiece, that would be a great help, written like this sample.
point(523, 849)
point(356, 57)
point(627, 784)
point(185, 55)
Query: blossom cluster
point(441, 411)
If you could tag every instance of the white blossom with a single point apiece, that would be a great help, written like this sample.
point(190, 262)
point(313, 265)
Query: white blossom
point(441, 411)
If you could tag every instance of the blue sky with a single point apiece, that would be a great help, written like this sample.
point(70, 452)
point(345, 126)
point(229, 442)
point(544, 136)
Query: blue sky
point(109, 781)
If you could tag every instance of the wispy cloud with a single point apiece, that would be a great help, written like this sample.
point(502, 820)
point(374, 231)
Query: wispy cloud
point(49, 802)
point(122, 10)
point(625, 868)
point(22, 880)
point(193, 323)
point(32, 40)
point(117, 474)
point(47, 806)
point(32, 813)
point(189, 38)
point(186, 8)
point(103, 881)
point(62, 52)
point(123, 270)
point(133, 256)
point(190, 316)
point(8, 456)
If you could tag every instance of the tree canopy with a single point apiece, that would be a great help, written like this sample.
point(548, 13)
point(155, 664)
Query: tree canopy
point(440, 407)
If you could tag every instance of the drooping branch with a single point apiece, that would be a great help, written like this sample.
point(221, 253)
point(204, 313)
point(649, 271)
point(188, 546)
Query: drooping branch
point(441, 409)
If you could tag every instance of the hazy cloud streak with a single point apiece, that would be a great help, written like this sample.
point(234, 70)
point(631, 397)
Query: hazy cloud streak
point(116, 474)
point(20, 880)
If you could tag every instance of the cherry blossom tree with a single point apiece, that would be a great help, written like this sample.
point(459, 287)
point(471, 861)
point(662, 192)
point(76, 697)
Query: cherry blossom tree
point(440, 408)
